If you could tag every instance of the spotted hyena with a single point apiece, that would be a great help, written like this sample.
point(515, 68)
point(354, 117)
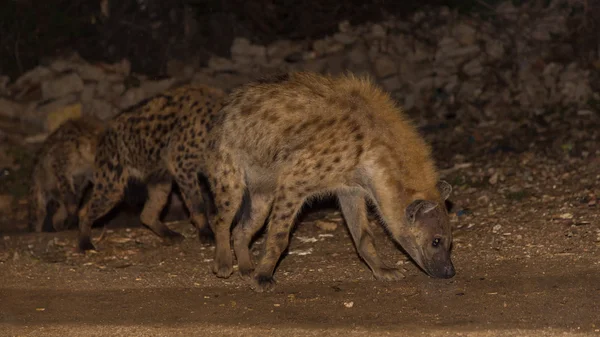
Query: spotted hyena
point(152, 144)
point(62, 172)
point(302, 135)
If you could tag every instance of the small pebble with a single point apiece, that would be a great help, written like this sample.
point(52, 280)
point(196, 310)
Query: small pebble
point(348, 304)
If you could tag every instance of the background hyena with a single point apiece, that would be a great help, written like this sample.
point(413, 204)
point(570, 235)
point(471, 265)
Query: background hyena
point(62, 171)
point(153, 143)
point(302, 135)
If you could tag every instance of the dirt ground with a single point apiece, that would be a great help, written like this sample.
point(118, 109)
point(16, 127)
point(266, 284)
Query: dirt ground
point(526, 219)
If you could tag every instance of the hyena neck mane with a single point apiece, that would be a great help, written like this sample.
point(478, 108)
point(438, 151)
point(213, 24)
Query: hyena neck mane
point(397, 162)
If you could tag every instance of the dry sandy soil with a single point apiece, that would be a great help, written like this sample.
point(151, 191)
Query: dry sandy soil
point(527, 242)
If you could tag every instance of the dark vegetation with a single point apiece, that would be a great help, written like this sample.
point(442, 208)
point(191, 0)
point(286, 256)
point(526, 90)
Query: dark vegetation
point(152, 32)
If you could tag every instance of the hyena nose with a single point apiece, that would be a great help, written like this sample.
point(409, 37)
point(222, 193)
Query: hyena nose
point(449, 271)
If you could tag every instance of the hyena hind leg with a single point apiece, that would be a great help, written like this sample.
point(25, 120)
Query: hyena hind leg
point(104, 197)
point(158, 195)
point(256, 210)
point(354, 210)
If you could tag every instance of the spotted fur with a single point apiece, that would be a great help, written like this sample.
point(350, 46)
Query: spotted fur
point(155, 143)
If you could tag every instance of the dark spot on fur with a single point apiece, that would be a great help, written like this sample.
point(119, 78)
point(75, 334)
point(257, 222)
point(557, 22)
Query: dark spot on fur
point(359, 136)
point(337, 159)
point(246, 110)
point(282, 236)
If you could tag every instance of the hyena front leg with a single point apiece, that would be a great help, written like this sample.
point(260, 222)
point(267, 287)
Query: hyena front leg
point(184, 165)
point(37, 208)
point(158, 195)
point(107, 192)
point(69, 199)
point(354, 209)
point(286, 206)
point(228, 185)
point(258, 207)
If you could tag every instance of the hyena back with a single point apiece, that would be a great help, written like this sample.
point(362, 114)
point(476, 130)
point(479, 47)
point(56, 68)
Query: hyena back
point(61, 173)
point(154, 143)
point(303, 135)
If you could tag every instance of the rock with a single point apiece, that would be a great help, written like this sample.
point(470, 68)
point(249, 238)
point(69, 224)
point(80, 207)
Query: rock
point(242, 49)
point(10, 109)
point(117, 88)
point(327, 226)
point(118, 70)
point(55, 118)
point(224, 81)
point(4, 84)
point(316, 65)
point(320, 46)
point(385, 66)
point(377, 31)
point(151, 88)
point(494, 49)
point(344, 26)
point(464, 52)
point(344, 38)
point(34, 76)
point(131, 97)
point(392, 84)
point(61, 86)
point(62, 65)
point(358, 55)
point(282, 49)
point(336, 64)
point(89, 72)
point(100, 108)
point(473, 67)
point(216, 63)
point(465, 34)
point(88, 93)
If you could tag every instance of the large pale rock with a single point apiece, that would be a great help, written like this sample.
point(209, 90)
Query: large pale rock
point(61, 86)
point(344, 38)
point(88, 93)
point(131, 97)
point(89, 72)
point(34, 76)
point(494, 49)
point(242, 50)
point(100, 108)
point(10, 109)
point(151, 88)
point(385, 66)
point(465, 34)
point(216, 63)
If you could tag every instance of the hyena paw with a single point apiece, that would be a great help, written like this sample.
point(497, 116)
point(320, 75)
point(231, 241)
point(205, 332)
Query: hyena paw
point(84, 245)
point(245, 272)
point(222, 270)
point(172, 237)
point(262, 283)
point(388, 274)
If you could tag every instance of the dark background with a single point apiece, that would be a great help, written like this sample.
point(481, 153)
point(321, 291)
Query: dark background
point(186, 30)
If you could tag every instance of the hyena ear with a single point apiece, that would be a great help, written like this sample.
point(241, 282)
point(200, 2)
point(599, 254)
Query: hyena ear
point(418, 206)
point(445, 189)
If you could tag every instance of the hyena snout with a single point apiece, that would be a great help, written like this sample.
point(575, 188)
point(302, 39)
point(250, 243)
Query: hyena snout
point(442, 269)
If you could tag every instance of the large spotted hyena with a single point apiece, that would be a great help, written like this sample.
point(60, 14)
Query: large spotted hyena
point(302, 135)
point(154, 143)
point(62, 171)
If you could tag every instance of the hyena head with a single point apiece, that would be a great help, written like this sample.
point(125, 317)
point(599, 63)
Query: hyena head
point(428, 236)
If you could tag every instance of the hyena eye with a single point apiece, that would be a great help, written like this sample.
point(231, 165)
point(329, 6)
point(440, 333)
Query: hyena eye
point(436, 242)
